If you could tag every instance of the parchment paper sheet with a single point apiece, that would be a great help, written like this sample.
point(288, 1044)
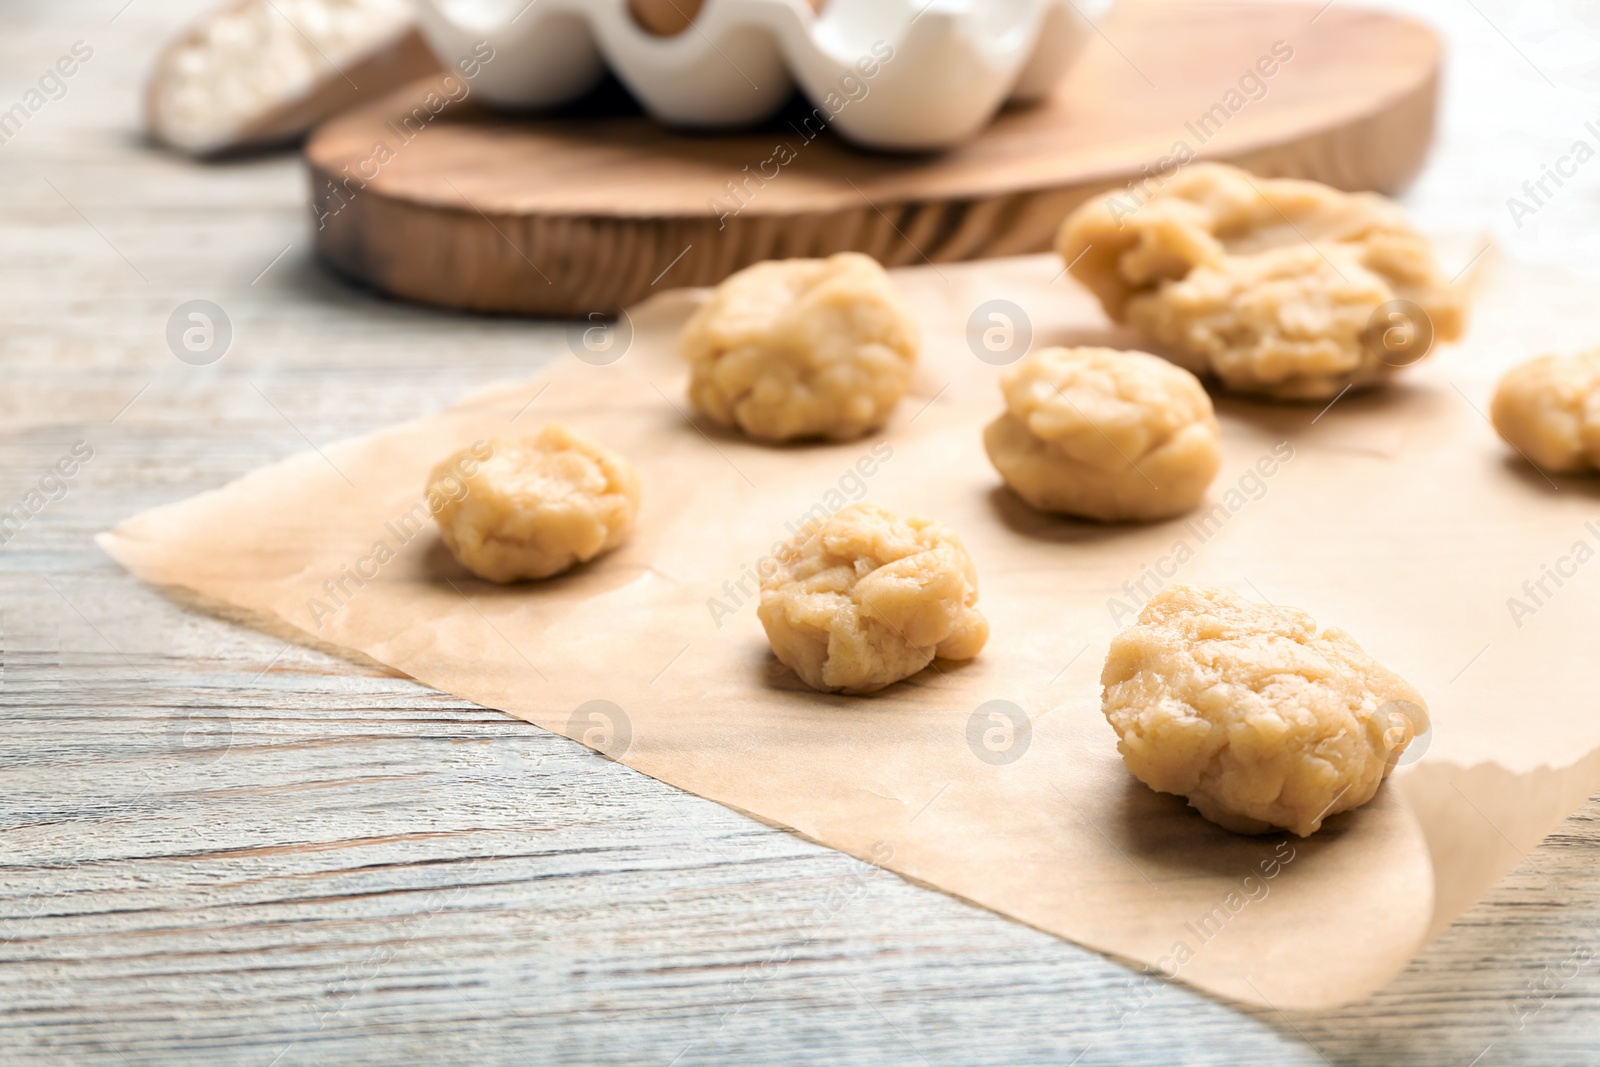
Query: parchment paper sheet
point(1399, 517)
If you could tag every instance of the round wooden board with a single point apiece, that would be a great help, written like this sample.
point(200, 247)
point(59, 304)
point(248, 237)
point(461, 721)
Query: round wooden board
point(592, 210)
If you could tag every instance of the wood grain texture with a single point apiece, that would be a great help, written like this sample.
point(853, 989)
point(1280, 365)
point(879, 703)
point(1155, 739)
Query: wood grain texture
point(220, 847)
point(589, 212)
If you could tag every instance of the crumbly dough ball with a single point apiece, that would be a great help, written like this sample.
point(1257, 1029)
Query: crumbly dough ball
point(536, 507)
point(800, 348)
point(1114, 436)
point(866, 598)
point(1259, 718)
point(1549, 410)
point(1269, 284)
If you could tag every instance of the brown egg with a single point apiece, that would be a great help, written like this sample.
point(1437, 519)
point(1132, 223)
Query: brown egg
point(666, 18)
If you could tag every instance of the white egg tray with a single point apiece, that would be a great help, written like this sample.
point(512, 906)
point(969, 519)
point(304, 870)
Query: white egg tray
point(891, 74)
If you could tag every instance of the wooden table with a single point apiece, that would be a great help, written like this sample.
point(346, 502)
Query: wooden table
point(224, 847)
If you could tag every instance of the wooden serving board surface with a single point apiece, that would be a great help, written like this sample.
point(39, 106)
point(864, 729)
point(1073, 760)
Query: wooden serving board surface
point(591, 210)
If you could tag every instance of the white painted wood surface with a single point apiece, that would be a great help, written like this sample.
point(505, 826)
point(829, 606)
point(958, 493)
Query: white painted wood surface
point(218, 846)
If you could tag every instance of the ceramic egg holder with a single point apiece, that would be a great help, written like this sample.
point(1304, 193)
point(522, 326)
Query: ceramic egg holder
point(916, 75)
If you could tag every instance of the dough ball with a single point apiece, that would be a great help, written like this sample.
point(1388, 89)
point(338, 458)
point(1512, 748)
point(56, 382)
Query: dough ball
point(801, 348)
point(1549, 410)
point(1114, 436)
point(1268, 284)
point(1259, 718)
point(866, 598)
point(536, 507)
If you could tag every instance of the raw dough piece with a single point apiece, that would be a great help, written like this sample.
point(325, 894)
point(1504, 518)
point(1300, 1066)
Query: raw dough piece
point(1549, 410)
point(864, 599)
point(1269, 284)
point(262, 71)
point(536, 507)
point(801, 348)
point(1251, 712)
point(1114, 436)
